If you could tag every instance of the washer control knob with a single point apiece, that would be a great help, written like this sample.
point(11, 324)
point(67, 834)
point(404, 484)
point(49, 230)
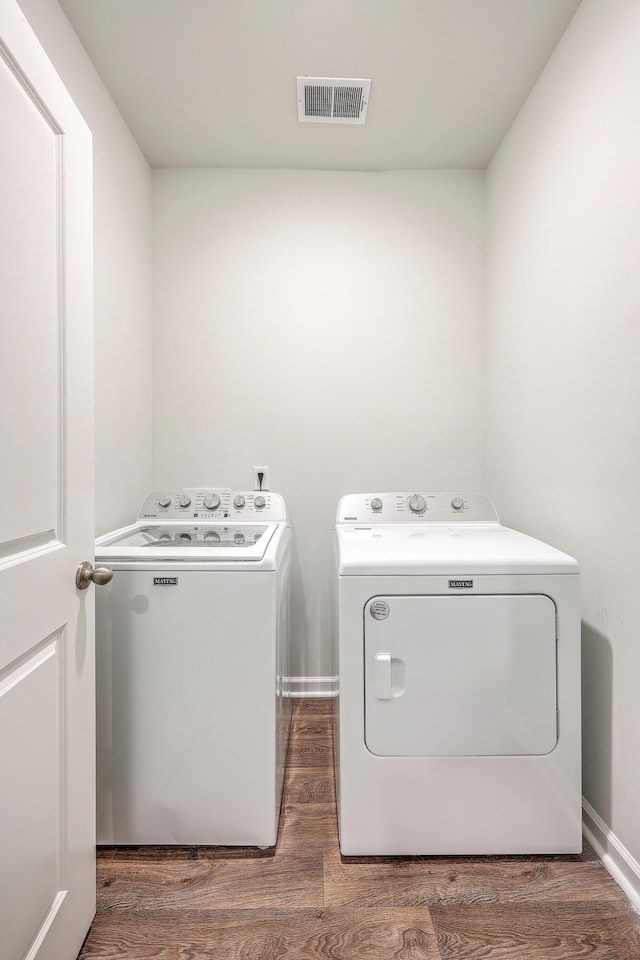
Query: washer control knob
point(259, 503)
point(211, 536)
point(239, 502)
point(184, 500)
point(164, 501)
point(212, 501)
point(185, 537)
point(417, 503)
point(376, 504)
point(238, 538)
point(457, 503)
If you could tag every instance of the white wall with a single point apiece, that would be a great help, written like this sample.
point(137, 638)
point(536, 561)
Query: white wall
point(564, 356)
point(122, 277)
point(329, 325)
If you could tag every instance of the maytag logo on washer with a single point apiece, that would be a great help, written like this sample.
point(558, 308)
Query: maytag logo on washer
point(165, 581)
point(460, 584)
point(379, 610)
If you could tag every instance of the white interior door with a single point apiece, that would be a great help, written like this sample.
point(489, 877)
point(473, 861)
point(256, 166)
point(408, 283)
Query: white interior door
point(460, 676)
point(47, 857)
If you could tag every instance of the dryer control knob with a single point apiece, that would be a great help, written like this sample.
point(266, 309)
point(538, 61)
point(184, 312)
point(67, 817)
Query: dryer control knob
point(184, 501)
point(212, 501)
point(164, 501)
point(259, 503)
point(457, 503)
point(376, 504)
point(417, 503)
point(212, 536)
point(238, 538)
point(185, 537)
point(239, 502)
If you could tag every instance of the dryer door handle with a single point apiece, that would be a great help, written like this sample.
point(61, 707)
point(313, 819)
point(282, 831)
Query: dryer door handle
point(382, 676)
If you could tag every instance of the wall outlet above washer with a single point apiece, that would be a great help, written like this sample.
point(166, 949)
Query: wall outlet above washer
point(261, 478)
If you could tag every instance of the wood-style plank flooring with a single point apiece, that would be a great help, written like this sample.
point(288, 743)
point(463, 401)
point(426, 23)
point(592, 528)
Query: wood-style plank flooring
point(303, 901)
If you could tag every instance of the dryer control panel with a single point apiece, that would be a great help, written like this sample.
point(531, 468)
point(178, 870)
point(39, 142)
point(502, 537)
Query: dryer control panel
point(213, 503)
point(416, 507)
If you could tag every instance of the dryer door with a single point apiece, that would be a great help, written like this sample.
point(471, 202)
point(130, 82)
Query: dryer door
point(460, 676)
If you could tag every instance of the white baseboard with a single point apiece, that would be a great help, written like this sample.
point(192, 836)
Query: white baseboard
point(624, 869)
point(313, 686)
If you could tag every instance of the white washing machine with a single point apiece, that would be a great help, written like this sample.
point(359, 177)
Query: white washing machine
point(192, 641)
point(458, 728)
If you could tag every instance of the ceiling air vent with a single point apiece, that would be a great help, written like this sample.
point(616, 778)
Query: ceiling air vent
point(329, 100)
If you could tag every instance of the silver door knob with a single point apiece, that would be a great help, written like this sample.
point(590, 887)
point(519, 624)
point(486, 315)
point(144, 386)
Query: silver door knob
point(87, 573)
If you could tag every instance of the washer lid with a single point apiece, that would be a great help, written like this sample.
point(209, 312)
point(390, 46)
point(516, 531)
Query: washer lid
point(202, 541)
point(442, 549)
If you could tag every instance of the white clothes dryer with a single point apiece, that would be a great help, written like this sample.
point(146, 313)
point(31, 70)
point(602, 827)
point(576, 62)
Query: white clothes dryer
point(192, 649)
point(458, 724)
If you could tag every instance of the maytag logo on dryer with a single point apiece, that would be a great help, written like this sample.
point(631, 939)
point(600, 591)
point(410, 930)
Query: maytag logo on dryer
point(460, 584)
point(165, 581)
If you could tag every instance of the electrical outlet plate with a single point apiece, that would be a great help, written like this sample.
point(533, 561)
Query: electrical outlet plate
point(265, 478)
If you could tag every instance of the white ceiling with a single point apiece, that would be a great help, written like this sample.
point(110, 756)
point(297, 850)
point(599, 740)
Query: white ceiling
point(206, 83)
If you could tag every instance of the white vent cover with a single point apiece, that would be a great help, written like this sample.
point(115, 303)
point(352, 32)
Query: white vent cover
point(329, 100)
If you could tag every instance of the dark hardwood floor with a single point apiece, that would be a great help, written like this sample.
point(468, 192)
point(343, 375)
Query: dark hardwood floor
point(303, 901)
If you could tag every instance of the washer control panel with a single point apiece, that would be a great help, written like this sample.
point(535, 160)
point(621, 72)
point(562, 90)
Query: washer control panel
point(416, 507)
point(209, 503)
